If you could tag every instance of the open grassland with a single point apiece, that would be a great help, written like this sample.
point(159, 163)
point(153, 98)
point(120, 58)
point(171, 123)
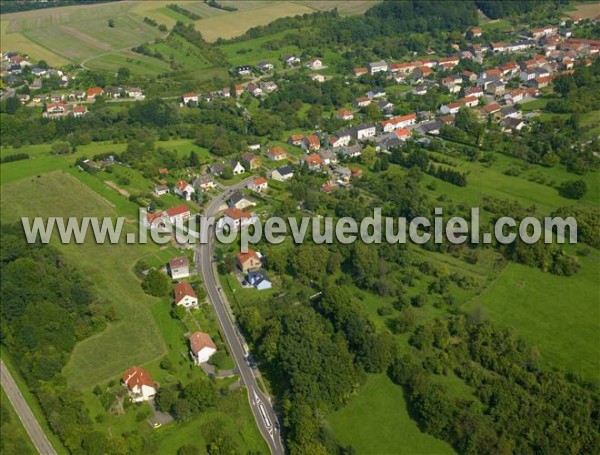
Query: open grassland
point(377, 421)
point(558, 315)
point(236, 23)
point(586, 10)
point(134, 338)
point(344, 7)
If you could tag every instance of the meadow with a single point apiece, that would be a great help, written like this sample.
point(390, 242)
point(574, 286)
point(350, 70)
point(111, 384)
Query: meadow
point(377, 421)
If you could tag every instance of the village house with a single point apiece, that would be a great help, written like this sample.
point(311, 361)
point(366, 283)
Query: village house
point(451, 108)
point(491, 108)
point(135, 93)
point(317, 78)
point(244, 70)
point(541, 32)
point(495, 88)
point(250, 161)
point(254, 89)
point(358, 72)
point(476, 32)
point(268, 86)
point(92, 93)
point(282, 174)
point(202, 347)
point(470, 101)
point(385, 106)
point(339, 139)
point(236, 219)
point(402, 134)
point(258, 185)
point(184, 190)
point(159, 190)
point(265, 66)
point(430, 127)
point(291, 60)
point(239, 201)
point(365, 131)
point(351, 151)
point(328, 156)
point(376, 93)
point(314, 64)
point(311, 143)
point(344, 114)
point(276, 154)
point(313, 162)
point(188, 98)
point(249, 261)
point(398, 122)
point(79, 111)
point(139, 383)
point(259, 279)
point(509, 112)
point(363, 102)
point(175, 215)
point(205, 183)
point(421, 73)
point(237, 167)
point(185, 295)
point(54, 110)
point(179, 268)
point(376, 67)
point(474, 91)
point(239, 90)
point(295, 139)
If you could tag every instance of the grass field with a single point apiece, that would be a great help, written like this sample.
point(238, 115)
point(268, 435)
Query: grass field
point(558, 315)
point(586, 10)
point(134, 338)
point(377, 422)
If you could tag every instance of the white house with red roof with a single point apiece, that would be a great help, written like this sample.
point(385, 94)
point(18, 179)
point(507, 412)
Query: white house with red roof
point(179, 267)
point(249, 261)
point(451, 108)
point(202, 347)
point(314, 162)
point(185, 295)
point(139, 383)
point(93, 92)
point(397, 123)
point(55, 110)
point(236, 219)
point(190, 98)
point(344, 114)
point(311, 143)
point(184, 190)
point(276, 154)
point(258, 184)
point(79, 111)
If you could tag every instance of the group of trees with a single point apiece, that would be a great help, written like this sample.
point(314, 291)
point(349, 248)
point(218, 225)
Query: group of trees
point(184, 401)
point(517, 407)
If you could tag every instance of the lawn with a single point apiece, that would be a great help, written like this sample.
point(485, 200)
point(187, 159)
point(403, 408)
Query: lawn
point(250, 52)
point(558, 315)
point(376, 421)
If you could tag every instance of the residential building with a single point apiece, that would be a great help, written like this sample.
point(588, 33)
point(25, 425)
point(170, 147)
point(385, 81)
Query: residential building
point(139, 383)
point(313, 162)
point(239, 201)
point(282, 174)
point(364, 131)
point(258, 185)
point(179, 268)
point(202, 347)
point(185, 295)
point(236, 219)
point(249, 261)
point(376, 67)
point(259, 279)
point(276, 154)
point(205, 183)
point(184, 190)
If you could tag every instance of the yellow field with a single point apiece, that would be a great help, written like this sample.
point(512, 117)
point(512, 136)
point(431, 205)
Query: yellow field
point(76, 34)
point(587, 10)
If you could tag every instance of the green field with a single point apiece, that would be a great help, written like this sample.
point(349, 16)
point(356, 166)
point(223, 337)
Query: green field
point(377, 422)
point(558, 315)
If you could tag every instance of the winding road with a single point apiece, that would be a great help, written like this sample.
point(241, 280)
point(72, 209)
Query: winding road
point(32, 426)
point(260, 403)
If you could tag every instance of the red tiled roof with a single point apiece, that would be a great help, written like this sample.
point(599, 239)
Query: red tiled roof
point(201, 340)
point(95, 91)
point(313, 159)
point(236, 214)
point(491, 108)
point(137, 376)
point(259, 180)
point(179, 262)
point(183, 290)
point(178, 210)
point(251, 254)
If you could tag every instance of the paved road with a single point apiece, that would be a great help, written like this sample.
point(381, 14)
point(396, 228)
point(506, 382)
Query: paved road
point(34, 430)
point(260, 404)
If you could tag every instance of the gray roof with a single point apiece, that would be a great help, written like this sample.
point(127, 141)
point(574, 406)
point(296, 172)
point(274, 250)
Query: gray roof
point(285, 170)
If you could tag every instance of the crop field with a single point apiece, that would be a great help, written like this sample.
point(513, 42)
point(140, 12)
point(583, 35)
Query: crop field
point(377, 421)
point(74, 34)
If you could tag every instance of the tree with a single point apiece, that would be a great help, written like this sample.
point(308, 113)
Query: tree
point(574, 189)
point(111, 23)
point(61, 148)
point(368, 155)
point(227, 173)
point(123, 74)
point(156, 283)
point(194, 160)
